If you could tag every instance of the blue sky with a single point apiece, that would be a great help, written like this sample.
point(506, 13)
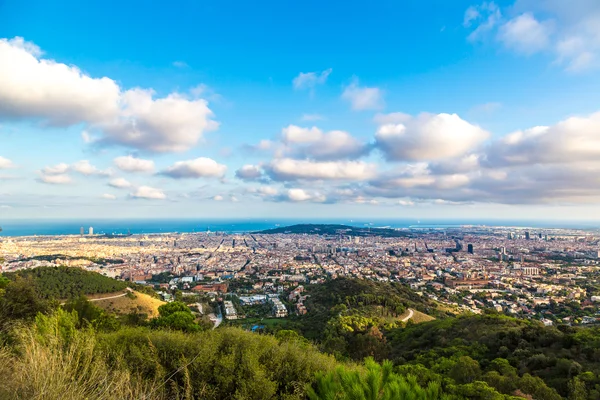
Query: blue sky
point(280, 109)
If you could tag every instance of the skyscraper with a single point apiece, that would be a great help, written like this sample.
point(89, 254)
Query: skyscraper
point(91, 231)
point(81, 231)
point(470, 248)
point(527, 237)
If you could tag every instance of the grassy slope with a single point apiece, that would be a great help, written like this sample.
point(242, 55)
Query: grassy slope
point(142, 303)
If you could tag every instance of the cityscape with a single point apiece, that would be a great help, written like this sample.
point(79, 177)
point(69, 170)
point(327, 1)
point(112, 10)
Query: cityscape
point(551, 275)
point(300, 200)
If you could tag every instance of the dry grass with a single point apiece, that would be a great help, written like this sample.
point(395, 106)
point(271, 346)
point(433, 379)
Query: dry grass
point(54, 361)
point(419, 317)
point(142, 303)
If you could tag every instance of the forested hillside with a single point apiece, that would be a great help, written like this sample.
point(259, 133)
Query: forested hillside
point(66, 282)
point(347, 316)
point(507, 353)
point(79, 351)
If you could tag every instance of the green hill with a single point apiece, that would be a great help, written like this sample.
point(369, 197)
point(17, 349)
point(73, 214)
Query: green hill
point(347, 316)
point(334, 229)
point(561, 357)
point(67, 282)
point(80, 351)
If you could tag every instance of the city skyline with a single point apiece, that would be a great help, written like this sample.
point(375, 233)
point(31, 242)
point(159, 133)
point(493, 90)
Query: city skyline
point(463, 110)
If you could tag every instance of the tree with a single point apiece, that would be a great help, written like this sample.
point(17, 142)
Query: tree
point(21, 301)
point(466, 370)
point(175, 315)
point(577, 389)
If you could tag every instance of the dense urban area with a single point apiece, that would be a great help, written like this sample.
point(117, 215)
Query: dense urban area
point(549, 275)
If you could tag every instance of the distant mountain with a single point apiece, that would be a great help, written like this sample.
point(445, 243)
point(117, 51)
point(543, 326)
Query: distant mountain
point(335, 229)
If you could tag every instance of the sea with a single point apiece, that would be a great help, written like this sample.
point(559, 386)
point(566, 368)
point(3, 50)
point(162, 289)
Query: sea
point(29, 227)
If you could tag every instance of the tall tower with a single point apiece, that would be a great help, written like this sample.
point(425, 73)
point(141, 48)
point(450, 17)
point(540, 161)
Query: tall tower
point(81, 231)
point(91, 230)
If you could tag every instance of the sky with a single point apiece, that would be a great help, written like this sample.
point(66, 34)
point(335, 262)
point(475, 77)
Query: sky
point(233, 109)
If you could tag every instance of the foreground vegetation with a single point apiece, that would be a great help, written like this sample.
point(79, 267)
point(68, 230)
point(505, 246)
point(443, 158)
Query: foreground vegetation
point(351, 345)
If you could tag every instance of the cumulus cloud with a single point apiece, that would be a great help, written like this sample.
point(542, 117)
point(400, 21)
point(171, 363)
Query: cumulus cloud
point(85, 168)
point(133, 164)
point(108, 196)
point(298, 195)
point(428, 137)
point(57, 94)
point(5, 163)
point(363, 98)
point(56, 179)
point(573, 140)
point(56, 169)
point(218, 198)
point(198, 168)
point(120, 183)
point(147, 192)
point(287, 169)
point(525, 34)
point(309, 80)
point(569, 32)
point(249, 173)
point(314, 143)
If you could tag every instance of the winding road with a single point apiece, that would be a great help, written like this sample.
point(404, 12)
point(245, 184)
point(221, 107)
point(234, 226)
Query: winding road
point(409, 316)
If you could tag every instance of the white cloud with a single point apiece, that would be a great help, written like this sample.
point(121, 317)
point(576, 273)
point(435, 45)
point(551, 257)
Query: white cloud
point(363, 98)
point(85, 168)
point(406, 203)
point(525, 34)
point(218, 198)
point(5, 163)
point(147, 192)
point(289, 169)
point(56, 169)
point(573, 140)
point(133, 164)
point(308, 80)
point(62, 95)
point(569, 33)
point(56, 179)
point(296, 134)
point(120, 183)
point(300, 195)
point(429, 137)
point(198, 168)
point(249, 173)
point(314, 143)
point(486, 14)
point(108, 196)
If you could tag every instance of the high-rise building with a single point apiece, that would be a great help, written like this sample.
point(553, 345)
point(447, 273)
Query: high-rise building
point(91, 232)
point(81, 231)
point(470, 248)
point(527, 237)
point(540, 235)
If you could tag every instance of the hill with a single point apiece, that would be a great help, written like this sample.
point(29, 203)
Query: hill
point(333, 229)
point(128, 302)
point(507, 350)
point(348, 316)
point(67, 282)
